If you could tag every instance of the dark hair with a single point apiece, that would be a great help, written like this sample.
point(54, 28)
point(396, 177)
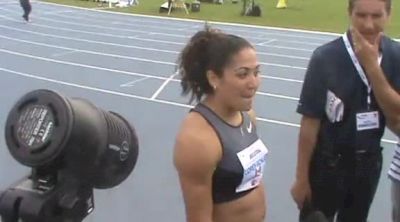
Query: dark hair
point(388, 5)
point(209, 49)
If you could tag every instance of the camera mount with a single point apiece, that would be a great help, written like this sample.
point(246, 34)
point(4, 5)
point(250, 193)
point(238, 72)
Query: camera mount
point(72, 147)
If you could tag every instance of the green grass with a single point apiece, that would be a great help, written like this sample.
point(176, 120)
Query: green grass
point(317, 15)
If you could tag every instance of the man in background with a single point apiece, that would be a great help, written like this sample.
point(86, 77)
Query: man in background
point(339, 149)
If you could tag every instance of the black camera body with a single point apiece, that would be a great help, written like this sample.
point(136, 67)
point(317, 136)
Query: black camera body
point(72, 147)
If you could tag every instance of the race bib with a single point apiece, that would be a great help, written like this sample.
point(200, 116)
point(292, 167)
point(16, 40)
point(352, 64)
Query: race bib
point(253, 160)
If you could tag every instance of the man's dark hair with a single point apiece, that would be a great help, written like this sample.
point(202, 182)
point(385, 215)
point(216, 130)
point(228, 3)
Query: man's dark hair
point(387, 2)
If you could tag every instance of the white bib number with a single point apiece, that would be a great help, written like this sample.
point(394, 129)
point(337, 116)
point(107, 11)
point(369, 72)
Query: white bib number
point(253, 160)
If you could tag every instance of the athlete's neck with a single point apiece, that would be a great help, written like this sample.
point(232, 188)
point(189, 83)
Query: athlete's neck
point(228, 114)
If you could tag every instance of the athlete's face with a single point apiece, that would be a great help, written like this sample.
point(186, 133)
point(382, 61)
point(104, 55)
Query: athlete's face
point(369, 17)
point(240, 80)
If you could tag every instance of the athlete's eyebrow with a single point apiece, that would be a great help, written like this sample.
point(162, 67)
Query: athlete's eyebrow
point(246, 68)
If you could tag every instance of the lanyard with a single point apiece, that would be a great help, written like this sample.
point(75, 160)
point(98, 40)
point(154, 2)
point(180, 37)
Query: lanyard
point(358, 67)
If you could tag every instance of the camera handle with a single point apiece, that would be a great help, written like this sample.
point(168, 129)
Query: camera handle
point(46, 198)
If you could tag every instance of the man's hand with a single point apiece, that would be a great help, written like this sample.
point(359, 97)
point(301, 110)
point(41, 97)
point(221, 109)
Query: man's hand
point(301, 192)
point(366, 52)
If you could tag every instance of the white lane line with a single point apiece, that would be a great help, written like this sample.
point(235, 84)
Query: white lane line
point(278, 96)
point(88, 41)
point(93, 88)
point(9, 3)
point(284, 56)
point(81, 65)
point(163, 85)
point(63, 53)
point(282, 79)
point(160, 22)
point(126, 46)
point(135, 37)
point(129, 57)
point(98, 33)
point(235, 25)
point(132, 83)
point(180, 29)
point(287, 47)
point(83, 24)
point(131, 46)
point(88, 52)
point(129, 30)
point(108, 69)
point(266, 28)
point(302, 43)
point(55, 12)
point(277, 122)
point(389, 141)
point(266, 42)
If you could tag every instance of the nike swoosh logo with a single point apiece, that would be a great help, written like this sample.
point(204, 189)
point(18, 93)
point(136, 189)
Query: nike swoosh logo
point(250, 127)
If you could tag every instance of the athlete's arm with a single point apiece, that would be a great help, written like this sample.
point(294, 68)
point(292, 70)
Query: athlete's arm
point(196, 155)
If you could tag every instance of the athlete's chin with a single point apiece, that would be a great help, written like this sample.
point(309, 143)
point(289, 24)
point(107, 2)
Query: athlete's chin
point(247, 106)
point(246, 109)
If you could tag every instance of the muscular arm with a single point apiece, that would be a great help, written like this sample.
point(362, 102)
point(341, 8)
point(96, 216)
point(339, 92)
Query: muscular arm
point(195, 159)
